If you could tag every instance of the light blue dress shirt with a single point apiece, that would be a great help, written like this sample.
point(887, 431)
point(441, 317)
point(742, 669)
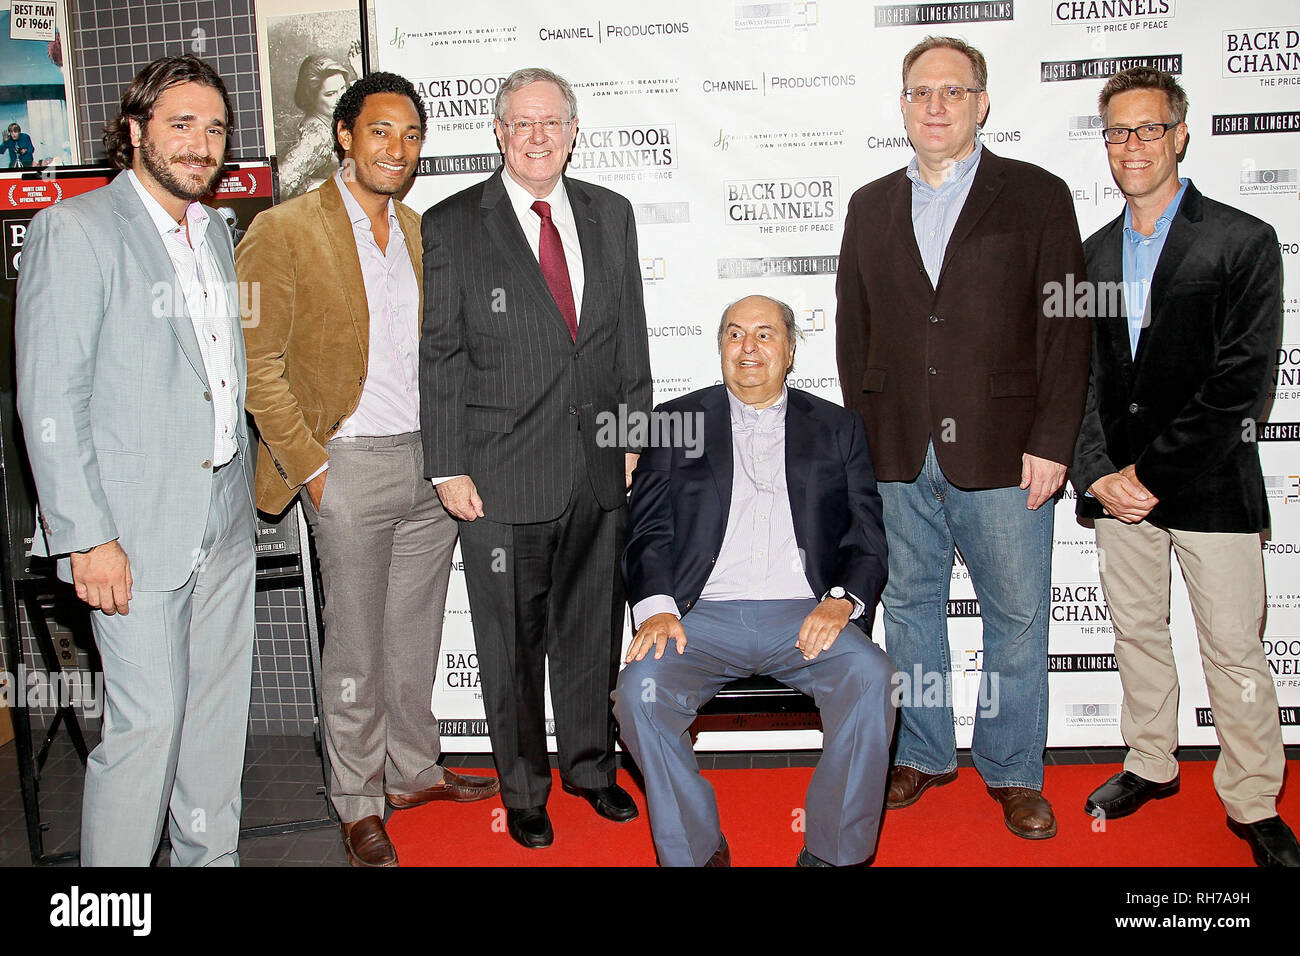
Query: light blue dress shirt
point(935, 211)
point(1141, 253)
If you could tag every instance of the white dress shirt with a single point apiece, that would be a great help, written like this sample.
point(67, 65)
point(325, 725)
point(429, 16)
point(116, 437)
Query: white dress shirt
point(562, 215)
point(210, 312)
point(390, 398)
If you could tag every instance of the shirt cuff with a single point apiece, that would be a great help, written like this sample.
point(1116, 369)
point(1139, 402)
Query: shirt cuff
point(647, 608)
point(438, 481)
point(317, 473)
point(858, 606)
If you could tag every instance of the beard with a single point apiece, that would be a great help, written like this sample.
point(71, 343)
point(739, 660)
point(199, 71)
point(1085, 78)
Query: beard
point(182, 185)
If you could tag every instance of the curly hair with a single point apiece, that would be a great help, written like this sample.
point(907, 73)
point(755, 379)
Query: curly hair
point(348, 108)
point(139, 98)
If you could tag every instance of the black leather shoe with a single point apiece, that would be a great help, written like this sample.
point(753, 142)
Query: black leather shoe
point(1271, 841)
point(807, 859)
point(530, 827)
point(1125, 793)
point(612, 802)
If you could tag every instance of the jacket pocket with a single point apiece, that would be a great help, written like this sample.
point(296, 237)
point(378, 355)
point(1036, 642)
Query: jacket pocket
point(120, 465)
point(490, 419)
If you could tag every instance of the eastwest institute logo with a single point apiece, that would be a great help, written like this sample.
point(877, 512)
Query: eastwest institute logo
point(1103, 68)
point(794, 15)
point(921, 14)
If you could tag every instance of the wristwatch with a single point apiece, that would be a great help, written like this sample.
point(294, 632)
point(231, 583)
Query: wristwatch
point(837, 592)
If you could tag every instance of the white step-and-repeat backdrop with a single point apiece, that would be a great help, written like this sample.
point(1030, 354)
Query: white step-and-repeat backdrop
point(739, 130)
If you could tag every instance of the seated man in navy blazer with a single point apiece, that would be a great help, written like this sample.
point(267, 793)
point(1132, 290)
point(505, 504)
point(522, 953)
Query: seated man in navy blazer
point(751, 555)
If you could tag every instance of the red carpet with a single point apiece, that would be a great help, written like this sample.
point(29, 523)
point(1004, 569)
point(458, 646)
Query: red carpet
point(956, 825)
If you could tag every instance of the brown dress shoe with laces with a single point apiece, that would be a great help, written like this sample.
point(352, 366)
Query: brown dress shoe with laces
point(454, 787)
point(367, 843)
point(906, 784)
point(1026, 812)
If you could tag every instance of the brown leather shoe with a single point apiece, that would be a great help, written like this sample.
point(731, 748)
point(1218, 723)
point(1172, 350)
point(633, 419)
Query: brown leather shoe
point(722, 855)
point(367, 843)
point(1026, 812)
point(906, 784)
point(453, 787)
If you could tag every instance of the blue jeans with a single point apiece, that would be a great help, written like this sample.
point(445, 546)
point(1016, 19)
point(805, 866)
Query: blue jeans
point(1008, 551)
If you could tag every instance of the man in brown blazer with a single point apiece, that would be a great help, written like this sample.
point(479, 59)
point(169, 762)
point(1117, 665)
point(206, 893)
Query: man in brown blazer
point(333, 387)
point(972, 393)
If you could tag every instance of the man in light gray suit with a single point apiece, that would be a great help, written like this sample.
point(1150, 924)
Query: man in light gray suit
point(130, 367)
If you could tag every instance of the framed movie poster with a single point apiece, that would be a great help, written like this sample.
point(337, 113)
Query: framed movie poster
point(38, 116)
point(309, 52)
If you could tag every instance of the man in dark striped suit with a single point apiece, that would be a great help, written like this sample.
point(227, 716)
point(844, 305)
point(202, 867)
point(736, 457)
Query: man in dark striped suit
point(534, 334)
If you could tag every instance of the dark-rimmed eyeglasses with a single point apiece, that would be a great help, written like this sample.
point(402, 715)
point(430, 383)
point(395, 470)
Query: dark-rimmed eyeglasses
point(950, 94)
point(1148, 132)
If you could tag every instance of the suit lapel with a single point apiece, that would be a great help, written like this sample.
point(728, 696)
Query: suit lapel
point(142, 242)
point(717, 444)
point(414, 249)
point(1184, 230)
point(989, 178)
point(336, 225)
point(1106, 272)
point(901, 213)
point(223, 254)
point(507, 235)
point(593, 258)
point(801, 435)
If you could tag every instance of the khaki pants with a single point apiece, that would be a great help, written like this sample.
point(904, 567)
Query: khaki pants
point(1225, 581)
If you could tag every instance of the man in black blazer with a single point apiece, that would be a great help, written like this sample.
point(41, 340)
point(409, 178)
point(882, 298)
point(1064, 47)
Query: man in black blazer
point(534, 334)
point(751, 553)
point(1188, 314)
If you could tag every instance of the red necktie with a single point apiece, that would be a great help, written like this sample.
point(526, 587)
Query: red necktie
point(555, 269)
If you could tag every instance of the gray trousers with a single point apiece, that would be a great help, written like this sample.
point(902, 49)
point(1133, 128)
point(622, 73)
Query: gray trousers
point(657, 700)
point(177, 673)
point(384, 544)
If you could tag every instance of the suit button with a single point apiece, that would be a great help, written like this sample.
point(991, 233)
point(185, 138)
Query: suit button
point(207, 396)
point(932, 370)
point(1133, 409)
point(934, 320)
point(689, 603)
point(335, 426)
point(573, 409)
point(576, 356)
point(207, 463)
point(361, 380)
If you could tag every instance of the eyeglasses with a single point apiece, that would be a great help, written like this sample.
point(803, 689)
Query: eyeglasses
point(550, 127)
point(950, 94)
point(1149, 133)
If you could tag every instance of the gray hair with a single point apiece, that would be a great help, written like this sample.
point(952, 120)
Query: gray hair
point(793, 333)
point(533, 74)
